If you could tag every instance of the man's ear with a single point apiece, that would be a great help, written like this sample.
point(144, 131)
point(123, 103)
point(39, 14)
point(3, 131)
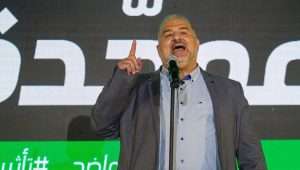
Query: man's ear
point(158, 49)
point(159, 53)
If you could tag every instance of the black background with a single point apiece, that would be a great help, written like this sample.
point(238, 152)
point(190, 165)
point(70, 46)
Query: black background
point(260, 26)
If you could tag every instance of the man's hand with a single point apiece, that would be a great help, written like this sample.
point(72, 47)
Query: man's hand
point(131, 64)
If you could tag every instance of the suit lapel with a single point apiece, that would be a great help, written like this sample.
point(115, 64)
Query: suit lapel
point(155, 92)
point(215, 97)
point(155, 104)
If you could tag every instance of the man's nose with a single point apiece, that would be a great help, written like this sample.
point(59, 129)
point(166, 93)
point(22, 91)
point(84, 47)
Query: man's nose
point(176, 37)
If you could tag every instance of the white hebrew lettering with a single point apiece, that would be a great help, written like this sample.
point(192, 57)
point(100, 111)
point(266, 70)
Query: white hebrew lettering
point(10, 62)
point(146, 49)
point(73, 92)
point(142, 8)
point(275, 91)
point(7, 20)
point(233, 52)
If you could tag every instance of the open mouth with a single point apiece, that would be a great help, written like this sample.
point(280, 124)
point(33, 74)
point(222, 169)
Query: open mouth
point(178, 47)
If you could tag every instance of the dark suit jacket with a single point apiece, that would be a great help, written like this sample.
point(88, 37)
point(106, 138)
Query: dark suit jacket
point(128, 108)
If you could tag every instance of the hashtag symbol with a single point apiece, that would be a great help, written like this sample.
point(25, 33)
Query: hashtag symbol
point(41, 164)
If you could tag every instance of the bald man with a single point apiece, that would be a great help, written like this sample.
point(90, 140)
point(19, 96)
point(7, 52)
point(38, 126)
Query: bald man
point(212, 120)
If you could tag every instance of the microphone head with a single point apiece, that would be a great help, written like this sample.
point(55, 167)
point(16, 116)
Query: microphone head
point(172, 57)
point(172, 66)
point(173, 71)
point(172, 61)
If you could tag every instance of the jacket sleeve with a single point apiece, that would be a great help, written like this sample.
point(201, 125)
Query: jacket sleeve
point(111, 103)
point(249, 152)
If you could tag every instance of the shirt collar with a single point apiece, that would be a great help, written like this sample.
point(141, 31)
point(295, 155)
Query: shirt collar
point(195, 74)
point(190, 77)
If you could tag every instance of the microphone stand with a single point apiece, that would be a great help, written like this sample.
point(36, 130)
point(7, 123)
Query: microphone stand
point(174, 85)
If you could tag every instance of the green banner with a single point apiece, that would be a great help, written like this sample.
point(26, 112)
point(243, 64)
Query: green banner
point(282, 154)
point(98, 155)
point(59, 155)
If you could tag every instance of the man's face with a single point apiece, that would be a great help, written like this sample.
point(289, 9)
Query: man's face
point(178, 38)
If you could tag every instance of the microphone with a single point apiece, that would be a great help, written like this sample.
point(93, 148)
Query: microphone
point(173, 72)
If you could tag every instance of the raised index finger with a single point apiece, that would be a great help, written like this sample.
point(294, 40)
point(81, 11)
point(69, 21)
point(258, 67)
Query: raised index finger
point(132, 49)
